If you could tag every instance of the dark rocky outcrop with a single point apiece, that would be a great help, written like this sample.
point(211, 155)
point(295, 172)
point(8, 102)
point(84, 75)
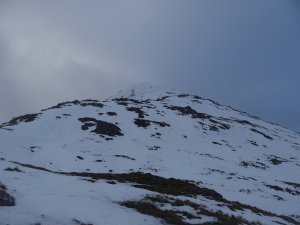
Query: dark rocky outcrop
point(137, 110)
point(5, 198)
point(16, 120)
point(145, 123)
point(263, 134)
point(189, 111)
point(102, 127)
point(88, 102)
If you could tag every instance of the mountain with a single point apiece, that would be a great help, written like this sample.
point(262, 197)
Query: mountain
point(147, 156)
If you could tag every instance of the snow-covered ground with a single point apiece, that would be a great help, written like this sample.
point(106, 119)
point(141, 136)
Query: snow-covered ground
point(150, 130)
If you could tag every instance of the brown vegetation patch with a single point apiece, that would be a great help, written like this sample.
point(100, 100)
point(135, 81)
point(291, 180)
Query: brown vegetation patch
point(173, 187)
point(153, 206)
point(147, 181)
point(154, 183)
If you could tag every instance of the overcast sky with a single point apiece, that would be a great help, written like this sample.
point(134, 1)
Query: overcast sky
point(245, 54)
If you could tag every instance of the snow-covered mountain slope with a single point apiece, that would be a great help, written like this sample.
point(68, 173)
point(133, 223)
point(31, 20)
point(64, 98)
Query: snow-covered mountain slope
point(147, 156)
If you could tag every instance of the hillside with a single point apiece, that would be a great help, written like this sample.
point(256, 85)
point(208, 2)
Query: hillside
point(147, 156)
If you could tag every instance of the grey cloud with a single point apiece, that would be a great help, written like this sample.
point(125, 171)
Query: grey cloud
point(241, 53)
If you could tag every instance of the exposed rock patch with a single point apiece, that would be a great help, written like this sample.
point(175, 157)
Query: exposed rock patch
point(124, 156)
point(154, 148)
point(102, 127)
point(293, 184)
point(5, 198)
point(25, 118)
point(276, 160)
point(287, 190)
point(126, 101)
point(263, 134)
point(88, 102)
point(15, 169)
point(257, 165)
point(111, 113)
point(187, 110)
point(139, 111)
point(145, 123)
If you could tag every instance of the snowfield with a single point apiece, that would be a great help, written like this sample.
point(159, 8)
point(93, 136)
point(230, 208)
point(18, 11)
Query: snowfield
point(147, 156)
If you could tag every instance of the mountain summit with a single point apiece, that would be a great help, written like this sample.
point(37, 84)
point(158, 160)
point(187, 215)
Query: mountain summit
point(147, 156)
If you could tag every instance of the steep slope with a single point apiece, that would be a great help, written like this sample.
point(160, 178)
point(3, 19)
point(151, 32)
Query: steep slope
point(147, 156)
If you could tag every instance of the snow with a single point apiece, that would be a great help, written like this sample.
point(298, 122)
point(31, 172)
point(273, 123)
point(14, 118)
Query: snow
point(186, 151)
